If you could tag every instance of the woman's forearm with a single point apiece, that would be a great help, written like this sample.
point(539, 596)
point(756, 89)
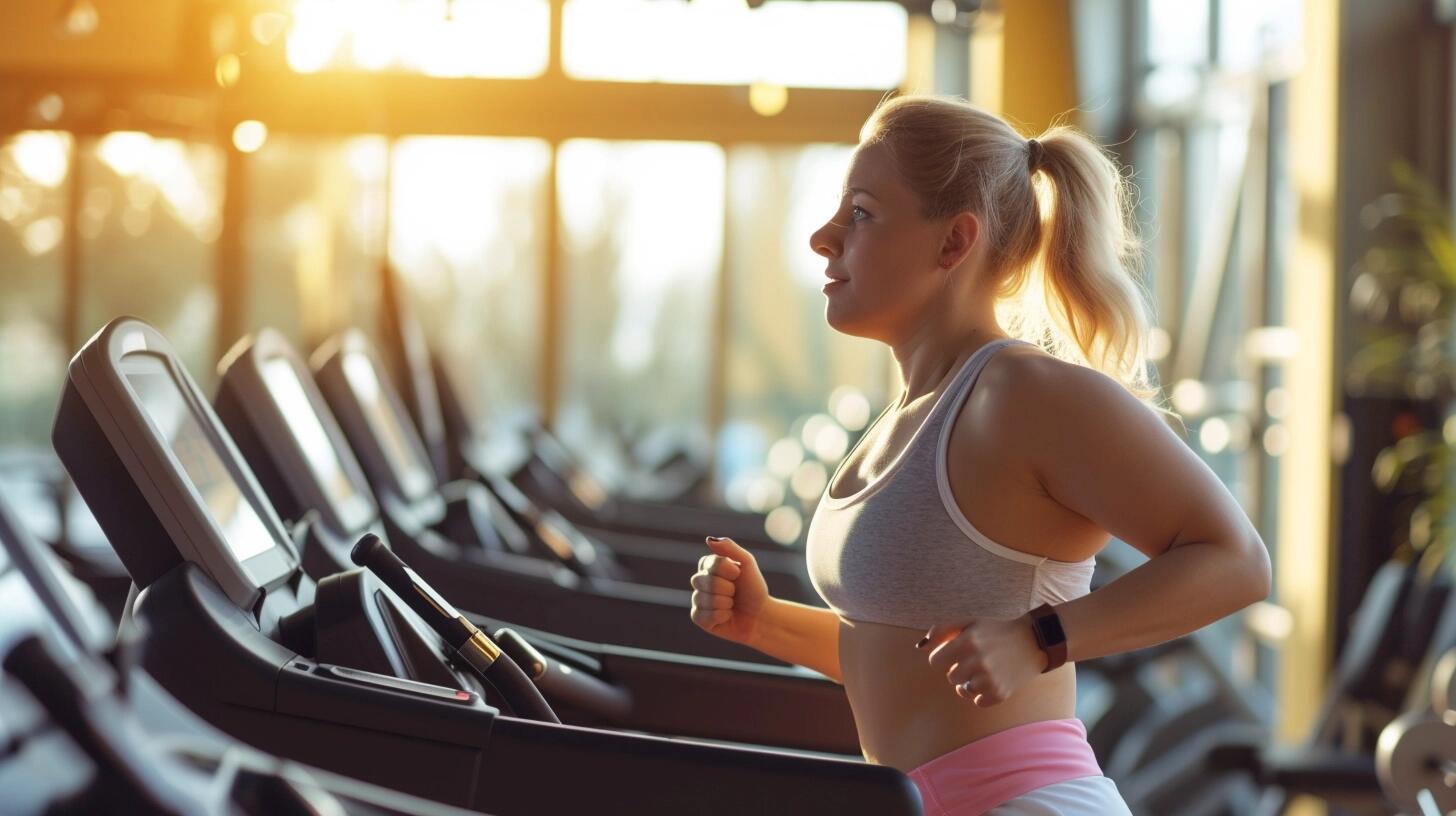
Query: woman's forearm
point(799, 634)
point(1177, 592)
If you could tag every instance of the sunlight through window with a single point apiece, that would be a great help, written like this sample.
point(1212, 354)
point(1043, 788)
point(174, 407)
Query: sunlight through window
point(642, 233)
point(466, 236)
point(34, 167)
point(443, 38)
point(790, 42)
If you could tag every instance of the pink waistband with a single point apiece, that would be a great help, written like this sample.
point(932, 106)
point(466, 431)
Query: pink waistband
point(978, 776)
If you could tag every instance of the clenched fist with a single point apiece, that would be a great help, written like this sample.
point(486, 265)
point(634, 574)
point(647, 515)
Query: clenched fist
point(729, 592)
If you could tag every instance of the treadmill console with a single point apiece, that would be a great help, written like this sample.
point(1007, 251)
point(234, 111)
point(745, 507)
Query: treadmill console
point(370, 409)
point(267, 398)
point(318, 450)
point(161, 400)
point(159, 471)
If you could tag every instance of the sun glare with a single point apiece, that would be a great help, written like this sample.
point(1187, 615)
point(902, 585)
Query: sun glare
point(463, 38)
point(186, 176)
point(454, 204)
point(792, 43)
point(656, 206)
point(767, 98)
point(42, 156)
point(250, 135)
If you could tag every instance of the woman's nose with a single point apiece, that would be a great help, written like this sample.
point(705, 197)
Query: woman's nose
point(825, 240)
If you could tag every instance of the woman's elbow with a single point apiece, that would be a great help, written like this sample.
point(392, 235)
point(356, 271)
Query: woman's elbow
point(1254, 556)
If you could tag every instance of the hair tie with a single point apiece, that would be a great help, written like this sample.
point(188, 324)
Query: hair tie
point(1034, 155)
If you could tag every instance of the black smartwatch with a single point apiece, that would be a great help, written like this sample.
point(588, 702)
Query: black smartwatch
point(1049, 636)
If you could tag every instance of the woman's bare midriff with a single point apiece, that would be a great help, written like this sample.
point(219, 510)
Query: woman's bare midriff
point(908, 714)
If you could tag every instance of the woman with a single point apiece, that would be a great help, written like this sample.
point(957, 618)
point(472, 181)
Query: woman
point(955, 544)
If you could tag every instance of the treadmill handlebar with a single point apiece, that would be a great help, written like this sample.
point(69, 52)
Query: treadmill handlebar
point(469, 643)
point(374, 555)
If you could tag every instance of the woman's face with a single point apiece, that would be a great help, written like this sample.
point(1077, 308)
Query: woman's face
point(883, 254)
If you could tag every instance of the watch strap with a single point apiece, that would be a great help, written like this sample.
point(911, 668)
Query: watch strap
point(1050, 636)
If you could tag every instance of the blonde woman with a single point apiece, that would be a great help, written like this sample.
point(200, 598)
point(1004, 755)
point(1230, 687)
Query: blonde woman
point(955, 544)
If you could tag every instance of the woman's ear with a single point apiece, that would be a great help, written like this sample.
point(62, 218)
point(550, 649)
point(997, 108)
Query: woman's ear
point(963, 232)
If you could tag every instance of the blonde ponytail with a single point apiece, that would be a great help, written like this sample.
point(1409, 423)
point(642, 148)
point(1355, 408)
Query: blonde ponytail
point(1058, 218)
point(1090, 297)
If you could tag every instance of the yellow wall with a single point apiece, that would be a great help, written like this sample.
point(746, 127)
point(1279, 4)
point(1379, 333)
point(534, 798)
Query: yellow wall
point(1021, 63)
point(1306, 536)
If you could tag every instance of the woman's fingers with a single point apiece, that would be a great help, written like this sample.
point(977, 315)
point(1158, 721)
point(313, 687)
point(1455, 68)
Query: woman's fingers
point(966, 669)
point(718, 565)
point(704, 600)
point(708, 618)
point(942, 632)
point(725, 568)
point(953, 648)
point(981, 690)
point(713, 584)
point(938, 636)
point(730, 548)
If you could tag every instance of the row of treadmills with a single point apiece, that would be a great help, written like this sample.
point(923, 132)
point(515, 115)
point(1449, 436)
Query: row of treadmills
point(336, 579)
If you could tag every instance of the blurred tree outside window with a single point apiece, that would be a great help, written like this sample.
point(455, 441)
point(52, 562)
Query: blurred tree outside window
point(313, 236)
point(34, 171)
point(467, 237)
point(148, 224)
point(642, 238)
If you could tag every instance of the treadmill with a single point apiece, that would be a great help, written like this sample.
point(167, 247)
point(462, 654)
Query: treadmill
point(80, 736)
point(660, 556)
point(577, 595)
point(275, 413)
point(235, 630)
point(548, 472)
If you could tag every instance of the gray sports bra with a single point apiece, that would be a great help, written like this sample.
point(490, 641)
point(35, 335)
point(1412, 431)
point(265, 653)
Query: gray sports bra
point(901, 552)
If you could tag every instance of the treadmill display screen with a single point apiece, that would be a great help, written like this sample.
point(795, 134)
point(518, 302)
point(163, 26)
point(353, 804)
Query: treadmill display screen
point(363, 378)
point(303, 420)
point(161, 400)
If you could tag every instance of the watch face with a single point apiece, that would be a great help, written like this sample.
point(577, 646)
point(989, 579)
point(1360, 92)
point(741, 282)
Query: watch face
point(1050, 629)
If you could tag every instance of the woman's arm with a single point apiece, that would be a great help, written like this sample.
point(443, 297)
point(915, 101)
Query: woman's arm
point(804, 635)
point(730, 600)
point(1186, 588)
point(1099, 452)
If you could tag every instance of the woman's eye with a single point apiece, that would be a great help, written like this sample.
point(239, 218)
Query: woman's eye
point(858, 213)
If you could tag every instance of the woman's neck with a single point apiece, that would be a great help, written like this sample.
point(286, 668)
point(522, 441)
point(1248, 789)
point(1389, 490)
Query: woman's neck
point(928, 357)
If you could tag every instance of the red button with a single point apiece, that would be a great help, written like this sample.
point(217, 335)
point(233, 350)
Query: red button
point(462, 695)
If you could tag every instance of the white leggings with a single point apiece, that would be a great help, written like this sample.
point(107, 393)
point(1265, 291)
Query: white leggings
point(1087, 796)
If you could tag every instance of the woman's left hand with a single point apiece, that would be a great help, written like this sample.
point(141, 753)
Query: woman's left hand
point(986, 661)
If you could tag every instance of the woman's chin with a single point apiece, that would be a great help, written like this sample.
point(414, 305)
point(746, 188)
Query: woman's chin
point(842, 321)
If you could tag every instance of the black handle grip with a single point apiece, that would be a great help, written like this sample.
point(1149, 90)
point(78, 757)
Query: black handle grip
point(531, 661)
point(519, 691)
point(478, 651)
point(562, 684)
point(374, 555)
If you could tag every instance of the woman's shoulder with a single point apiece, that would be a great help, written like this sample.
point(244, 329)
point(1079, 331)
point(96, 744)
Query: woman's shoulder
point(1022, 383)
point(1022, 370)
